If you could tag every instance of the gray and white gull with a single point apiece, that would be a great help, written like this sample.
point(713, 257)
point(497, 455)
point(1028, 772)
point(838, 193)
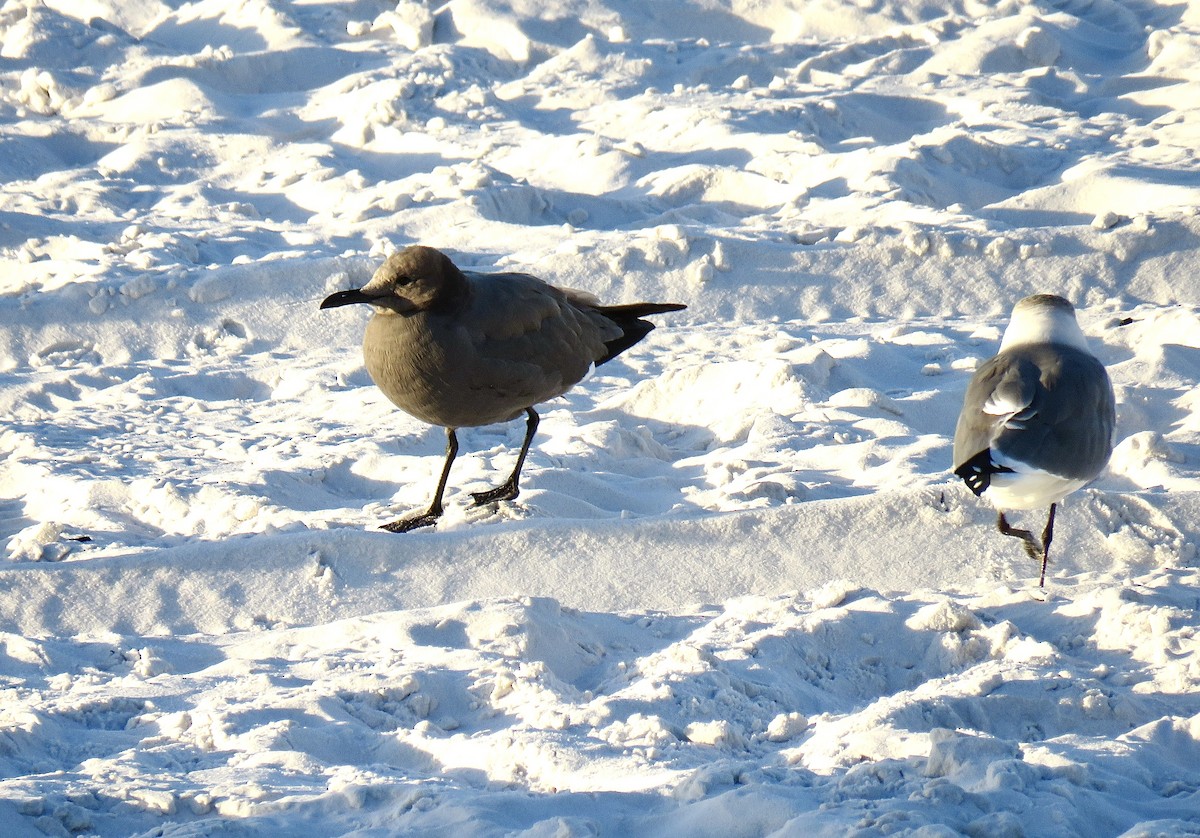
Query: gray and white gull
point(460, 349)
point(1037, 421)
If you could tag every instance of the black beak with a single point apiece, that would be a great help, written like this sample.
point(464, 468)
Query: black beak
point(345, 298)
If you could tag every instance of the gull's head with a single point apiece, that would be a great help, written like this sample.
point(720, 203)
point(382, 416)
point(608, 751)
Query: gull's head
point(414, 279)
point(1043, 318)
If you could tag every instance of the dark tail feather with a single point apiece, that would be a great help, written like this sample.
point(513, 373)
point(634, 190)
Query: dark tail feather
point(633, 328)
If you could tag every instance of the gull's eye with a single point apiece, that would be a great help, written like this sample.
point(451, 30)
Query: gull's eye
point(403, 280)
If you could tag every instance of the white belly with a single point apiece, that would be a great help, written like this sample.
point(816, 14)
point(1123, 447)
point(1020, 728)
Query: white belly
point(1030, 489)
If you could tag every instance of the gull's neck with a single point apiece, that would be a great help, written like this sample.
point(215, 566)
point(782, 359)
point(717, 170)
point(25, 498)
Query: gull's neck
point(1041, 325)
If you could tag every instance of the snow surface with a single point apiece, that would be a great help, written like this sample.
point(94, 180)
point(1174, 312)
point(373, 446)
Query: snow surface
point(740, 594)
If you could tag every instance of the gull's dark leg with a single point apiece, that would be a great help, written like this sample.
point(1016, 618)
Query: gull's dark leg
point(1031, 544)
point(509, 489)
point(1047, 535)
point(430, 516)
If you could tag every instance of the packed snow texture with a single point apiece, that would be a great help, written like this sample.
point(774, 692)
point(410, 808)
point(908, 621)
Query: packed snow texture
point(740, 594)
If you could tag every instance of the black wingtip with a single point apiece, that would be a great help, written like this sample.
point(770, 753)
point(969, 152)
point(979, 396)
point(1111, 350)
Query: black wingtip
point(977, 472)
point(633, 328)
point(634, 310)
point(665, 308)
